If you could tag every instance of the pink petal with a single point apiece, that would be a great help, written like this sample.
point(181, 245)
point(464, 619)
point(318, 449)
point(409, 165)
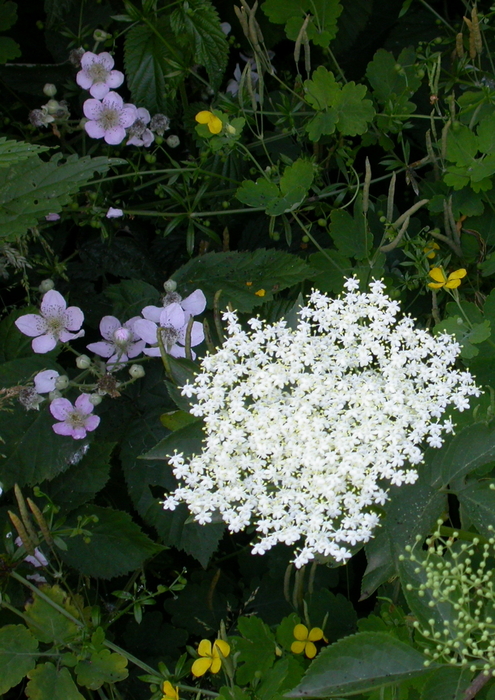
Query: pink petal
point(84, 80)
point(45, 381)
point(115, 136)
point(136, 349)
point(173, 315)
point(62, 429)
point(92, 422)
point(65, 336)
point(115, 79)
point(113, 100)
point(106, 60)
point(146, 330)
point(147, 138)
point(61, 408)
point(95, 130)
point(177, 351)
point(99, 90)
point(128, 116)
point(52, 304)
point(78, 433)
point(74, 318)
point(130, 323)
point(195, 303)
point(152, 352)
point(92, 109)
point(152, 313)
point(83, 404)
point(31, 325)
point(197, 334)
point(134, 141)
point(108, 325)
point(88, 59)
point(44, 343)
point(102, 348)
point(143, 114)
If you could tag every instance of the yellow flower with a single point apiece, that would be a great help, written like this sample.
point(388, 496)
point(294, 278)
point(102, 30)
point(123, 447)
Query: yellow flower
point(169, 692)
point(211, 656)
point(305, 639)
point(213, 123)
point(430, 249)
point(260, 293)
point(450, 282)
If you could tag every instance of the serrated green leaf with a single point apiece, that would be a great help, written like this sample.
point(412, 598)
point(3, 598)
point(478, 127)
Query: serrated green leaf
point(31, 189)
point(362, 662)
point(49, 683)
point(293, 199)
point(332, 267)
point(48, 624)
point(9, 49)
point(129, 297)
point(284, 675)
point(461, 454)
point(285, 630)
point(198, 24)
point(478, 500)
point(117, 544)
point(189, 438)
point(261, 193)
point(387, 82)
point(102, 667)
point(333, 613)
point(462, 145)
point(486, 135)
point(321, 28)
point(256, 647)
point(241, 275)
point(447, 683)
point(174, 420)
point(350, 233)
point(18, 650)
point(12, 152)
point(299, 174)
point(322, 124)
point(466, 336)
point(322, 90)
point(354, 113)
point(8, 14)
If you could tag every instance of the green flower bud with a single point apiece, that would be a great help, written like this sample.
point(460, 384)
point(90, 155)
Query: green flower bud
point(137, 371)
point(83, 362)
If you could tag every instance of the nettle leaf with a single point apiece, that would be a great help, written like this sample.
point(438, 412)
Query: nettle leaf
point(256, 647)
point(49, 683)
point(151, 65)
point(321, 29)
point(447, 683)
point(102, 667)
point(197, 23)
point(18, 650)
point(48, 624)
point(31, 189)
point(12, 152)
point(117, 545)
point(362, 662)
point(246, 279)
point(478, 500)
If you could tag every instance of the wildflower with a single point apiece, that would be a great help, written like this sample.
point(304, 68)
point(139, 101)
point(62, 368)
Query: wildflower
point(75, 420)
point(120, 342)
point(53, 324)
point(305, 640)
point(108, 118)
point(46, 381)
point(172, 325)
point(52, 217)
point(114, 213)
point(430, 248)
point(211, 657)
point(97, 75)
point(234, 84)
point(213, 123)
point(159, 124)
point(169, 692)
point(306, 427)
point(40, 117)
point(139, 134)
point(37, 559)
point(450, 282)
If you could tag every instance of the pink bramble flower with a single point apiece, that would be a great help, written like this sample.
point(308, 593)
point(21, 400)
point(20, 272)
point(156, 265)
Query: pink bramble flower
point(54, 323)
point(114, 213)
point(75, 421)
point(52, 217)
point(139, 134)
point(109, 118)
point(97, 75)
point(120, 341)
point(193, 305)
point(172, 327)
point(46, 381)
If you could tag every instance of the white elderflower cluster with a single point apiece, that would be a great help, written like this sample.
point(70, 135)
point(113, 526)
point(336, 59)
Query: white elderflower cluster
point(305, 428)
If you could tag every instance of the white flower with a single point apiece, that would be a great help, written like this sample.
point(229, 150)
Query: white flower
point(306, 428)
point(114, 213)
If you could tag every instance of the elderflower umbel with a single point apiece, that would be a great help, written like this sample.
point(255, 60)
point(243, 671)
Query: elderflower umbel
point(305, 428)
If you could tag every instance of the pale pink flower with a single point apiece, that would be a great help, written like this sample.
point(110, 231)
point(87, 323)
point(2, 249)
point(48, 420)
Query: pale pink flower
point(97, 75)
point(192, 305)
point(139, 134)
point(121, 342)
point(36, 560)
point(172, 327)
point(52, 217)
point(114, 213)
point(109, 118)
point(75, 420)
point(52, 324)
point(45, 381)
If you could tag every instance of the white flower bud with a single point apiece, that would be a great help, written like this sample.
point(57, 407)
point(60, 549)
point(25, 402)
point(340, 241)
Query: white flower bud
point(62, 382)
point(83, 362)
point(50, 90)
point(173, 141)
point(170, 286)
point(95, 399)
point(136, 371)
point(46, 285)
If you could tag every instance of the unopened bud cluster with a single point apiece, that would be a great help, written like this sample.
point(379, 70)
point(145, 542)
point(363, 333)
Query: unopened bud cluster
point(458, 578)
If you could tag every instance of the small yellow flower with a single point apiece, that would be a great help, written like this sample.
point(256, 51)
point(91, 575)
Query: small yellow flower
point(169, 692)
point(260, 293)
point(304, 640)
point(213, 123)
point(430, 249)
point(450, 282)
point(211, 657)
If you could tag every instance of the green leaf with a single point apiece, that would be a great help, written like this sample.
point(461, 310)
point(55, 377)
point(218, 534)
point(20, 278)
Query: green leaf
point(447, 683)
point(9, 49)
point(462, 145)
point(332, 267)
point(117, 544)
point(49, 683)
point(197, 23)
point(261, 193)
point(102, 667)
point(31, 189)
point(381, 565)
point(322, 124)
point(186, 440)
point(350, 233)
point(256, 647)
point(8, 14)
point(13, 343)
point(321, 28)
point(283, 676)
point(486, 135)
point(83, 480)
point(150, 56)
point(12, 152)
point(241, 275)
point(461, 454)
point(388, 83)
point(466, 335)
point(175, 420)
point(362, 662)
point(334, 614)
point(478, 500)
point(285, 630)
point(18, 650)
point(322, 90)
point(48, 624)
point(130, 296)
point(354, 113)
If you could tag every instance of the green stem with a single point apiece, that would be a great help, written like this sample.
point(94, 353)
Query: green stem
point(462, 534)
point(444, 21)
point(316, 244)
point(210, 693)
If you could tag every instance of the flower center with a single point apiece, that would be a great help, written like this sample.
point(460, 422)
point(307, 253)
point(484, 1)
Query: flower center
point(137, 129)
point(169, 336)
point(98, 72)
point(77, 419)
point(55, 325)
point(109, 118)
